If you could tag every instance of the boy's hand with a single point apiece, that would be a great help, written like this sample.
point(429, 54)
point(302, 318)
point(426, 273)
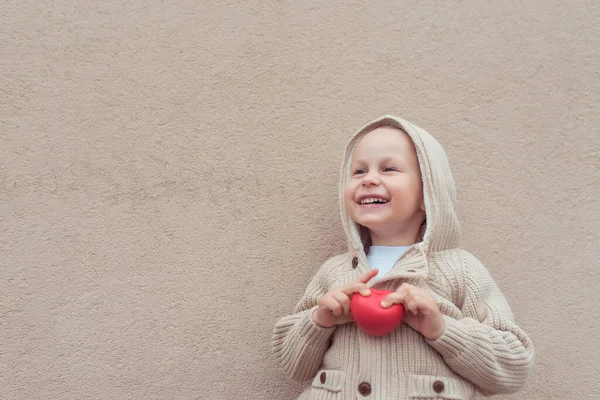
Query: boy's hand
point(334, 307)
point(424, 315)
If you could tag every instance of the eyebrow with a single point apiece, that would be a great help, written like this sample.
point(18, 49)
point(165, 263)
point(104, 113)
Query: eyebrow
point(383, 160)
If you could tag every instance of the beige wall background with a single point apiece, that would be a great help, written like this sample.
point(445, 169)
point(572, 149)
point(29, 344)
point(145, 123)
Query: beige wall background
point(168, 178)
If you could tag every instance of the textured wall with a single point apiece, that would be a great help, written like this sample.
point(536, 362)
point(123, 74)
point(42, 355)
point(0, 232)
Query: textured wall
point(168, 175)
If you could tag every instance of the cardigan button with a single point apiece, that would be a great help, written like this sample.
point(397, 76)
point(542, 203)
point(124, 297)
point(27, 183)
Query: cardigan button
point(438, 386)
point(354, 262)
point(323, 377)
point(364, 389)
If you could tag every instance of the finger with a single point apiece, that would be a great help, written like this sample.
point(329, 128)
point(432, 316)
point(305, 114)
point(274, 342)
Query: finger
point(344, 319)
point(391, 299)
point(421, 302)
point(343, 300)
point(367, 276)
point(427, 304)
point(331, 304)
point(356, 287)
point(420, 295)
point(412, 305)
point(408, 292)
point(405, 287)
point(399, 296)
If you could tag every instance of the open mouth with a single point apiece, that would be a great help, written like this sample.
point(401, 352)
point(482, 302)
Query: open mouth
point(372, 201)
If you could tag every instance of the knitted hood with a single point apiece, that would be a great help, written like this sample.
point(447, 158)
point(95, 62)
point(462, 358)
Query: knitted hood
point(441, 230)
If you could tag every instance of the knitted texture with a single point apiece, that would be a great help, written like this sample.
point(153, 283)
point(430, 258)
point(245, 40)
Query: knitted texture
point(481, 350)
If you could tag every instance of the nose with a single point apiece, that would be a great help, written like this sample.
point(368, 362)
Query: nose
point(371, 179)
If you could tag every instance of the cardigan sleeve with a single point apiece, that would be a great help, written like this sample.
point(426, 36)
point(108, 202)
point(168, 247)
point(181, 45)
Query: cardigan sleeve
point(485, 346)
point(298, 343)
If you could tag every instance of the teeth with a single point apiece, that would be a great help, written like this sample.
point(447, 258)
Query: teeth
point(371, 200)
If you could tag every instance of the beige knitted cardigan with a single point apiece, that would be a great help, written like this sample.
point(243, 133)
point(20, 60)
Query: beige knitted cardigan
point(482, 349)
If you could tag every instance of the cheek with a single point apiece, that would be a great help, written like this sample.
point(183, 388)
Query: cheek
point(401, 186)
point(406, 190)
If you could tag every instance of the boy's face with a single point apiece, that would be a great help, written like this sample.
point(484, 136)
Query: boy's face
point(385, 167)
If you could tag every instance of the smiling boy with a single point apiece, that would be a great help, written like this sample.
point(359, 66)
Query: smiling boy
point(458, 337)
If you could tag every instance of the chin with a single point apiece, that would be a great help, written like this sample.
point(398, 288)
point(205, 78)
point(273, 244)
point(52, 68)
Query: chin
point(370, 223)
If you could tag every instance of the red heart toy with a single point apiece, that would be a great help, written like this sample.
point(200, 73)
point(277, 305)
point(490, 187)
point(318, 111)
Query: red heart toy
point(373, 319)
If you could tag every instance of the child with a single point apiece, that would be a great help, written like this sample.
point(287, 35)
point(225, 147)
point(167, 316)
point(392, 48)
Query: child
point(458, 337)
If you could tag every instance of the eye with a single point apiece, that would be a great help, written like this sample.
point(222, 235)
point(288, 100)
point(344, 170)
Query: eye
point(359, 171)
point(390, 169)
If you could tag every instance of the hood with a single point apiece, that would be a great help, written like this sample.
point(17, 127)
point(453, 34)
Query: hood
point(441, 230)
